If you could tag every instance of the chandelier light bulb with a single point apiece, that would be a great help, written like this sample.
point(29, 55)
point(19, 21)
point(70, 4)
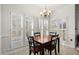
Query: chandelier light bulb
point(49, 11)
point(41, 13)
point(45, 12)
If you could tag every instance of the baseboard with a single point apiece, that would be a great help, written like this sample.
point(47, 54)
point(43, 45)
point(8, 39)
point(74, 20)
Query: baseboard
point(13, 51)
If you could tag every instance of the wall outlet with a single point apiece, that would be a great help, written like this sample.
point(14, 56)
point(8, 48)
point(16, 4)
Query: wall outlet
point(70, 39)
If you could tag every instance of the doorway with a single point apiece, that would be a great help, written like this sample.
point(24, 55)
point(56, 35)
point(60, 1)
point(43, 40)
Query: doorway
point(77, 26)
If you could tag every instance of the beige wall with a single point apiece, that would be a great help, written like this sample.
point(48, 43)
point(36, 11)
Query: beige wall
point(62, 12)
point(0, 29)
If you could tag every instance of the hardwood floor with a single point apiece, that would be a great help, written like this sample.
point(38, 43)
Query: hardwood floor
point(64, 50)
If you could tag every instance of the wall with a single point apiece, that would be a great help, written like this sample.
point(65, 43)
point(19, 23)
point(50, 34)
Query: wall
point(76, 20)
point(0, 29)
point(69, 14)
point(61, 12)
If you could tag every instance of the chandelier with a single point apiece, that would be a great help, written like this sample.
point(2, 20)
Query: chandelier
point(46, 12)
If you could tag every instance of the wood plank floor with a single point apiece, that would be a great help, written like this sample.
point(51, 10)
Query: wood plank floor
point(64, 50)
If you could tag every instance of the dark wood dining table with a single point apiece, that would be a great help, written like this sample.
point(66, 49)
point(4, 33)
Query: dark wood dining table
point(42, 40)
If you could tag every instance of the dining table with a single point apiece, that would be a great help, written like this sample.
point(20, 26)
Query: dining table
point(43, 40)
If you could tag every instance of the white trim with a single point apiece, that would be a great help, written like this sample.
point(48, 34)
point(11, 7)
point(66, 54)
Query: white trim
point(14, 51)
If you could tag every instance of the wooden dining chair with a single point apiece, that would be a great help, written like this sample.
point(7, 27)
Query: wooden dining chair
point(37, 34)
point(51, 46)
point(33, 46)
point(52, 33)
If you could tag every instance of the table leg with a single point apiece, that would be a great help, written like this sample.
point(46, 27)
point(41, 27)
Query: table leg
point(43, 50)
point(58, 45)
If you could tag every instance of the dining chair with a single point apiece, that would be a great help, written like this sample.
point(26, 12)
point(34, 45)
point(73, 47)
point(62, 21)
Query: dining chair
point(52, 33)
point(33, 46)
point(51, 46)
point(37, 34)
